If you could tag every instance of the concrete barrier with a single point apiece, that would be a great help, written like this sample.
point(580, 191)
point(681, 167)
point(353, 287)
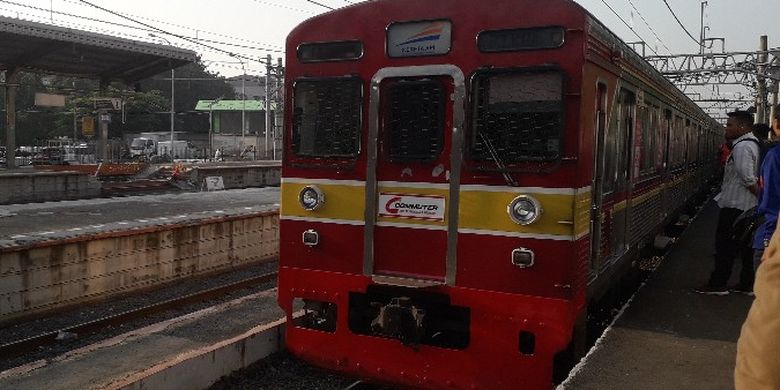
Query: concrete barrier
point(201, 368)
point(32, 186)
point(240, 176)
point(47, 274)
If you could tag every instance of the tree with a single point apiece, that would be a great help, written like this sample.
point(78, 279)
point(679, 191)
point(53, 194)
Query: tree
point(206, 86)
point(145, 109)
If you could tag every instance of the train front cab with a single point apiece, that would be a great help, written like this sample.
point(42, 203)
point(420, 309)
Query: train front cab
point(427, 249)
point(446, 290)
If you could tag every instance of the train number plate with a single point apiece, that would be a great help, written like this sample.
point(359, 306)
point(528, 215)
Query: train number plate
point(423, 207)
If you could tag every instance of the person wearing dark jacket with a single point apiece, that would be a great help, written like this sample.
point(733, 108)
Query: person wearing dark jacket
point(769, 194)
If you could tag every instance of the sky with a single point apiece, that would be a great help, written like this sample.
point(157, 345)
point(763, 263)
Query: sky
point(259, 27)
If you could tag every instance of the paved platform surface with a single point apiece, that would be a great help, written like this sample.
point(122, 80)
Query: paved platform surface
point(670, 337)
point(110, 363)
point(31, 222)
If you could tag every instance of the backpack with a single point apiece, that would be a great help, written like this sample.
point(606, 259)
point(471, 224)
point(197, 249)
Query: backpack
point(763, 149)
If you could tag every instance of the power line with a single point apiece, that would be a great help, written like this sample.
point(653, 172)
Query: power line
point(283, 6)
point(159, 30)
point(648, 26)
point(320, 4)
point(266, 49)
point(37, 18)
point(197, 30)
point(680, 23)
point(627, 25)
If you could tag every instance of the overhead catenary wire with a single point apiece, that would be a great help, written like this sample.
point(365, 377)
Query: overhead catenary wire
point(631, 3)
point(283, 6)
point(39, 18)
point(264, 49)
point(320, 4)
point(197, 30)
point(680, 23)
point(627, 25)
point(161, 31)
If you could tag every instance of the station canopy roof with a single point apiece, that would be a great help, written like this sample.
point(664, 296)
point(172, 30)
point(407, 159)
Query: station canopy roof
point(232, 105)
point(45, 48)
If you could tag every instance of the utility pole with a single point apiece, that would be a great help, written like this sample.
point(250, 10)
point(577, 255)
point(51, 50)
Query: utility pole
point(761, 90)
point(268, 70)
point(279, 96)
point(173, 94)
point(701, 33)
point(11, 80)
point(243, 103)
point(774, 67)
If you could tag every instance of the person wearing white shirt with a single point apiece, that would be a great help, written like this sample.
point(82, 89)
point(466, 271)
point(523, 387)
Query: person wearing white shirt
point(738, 193)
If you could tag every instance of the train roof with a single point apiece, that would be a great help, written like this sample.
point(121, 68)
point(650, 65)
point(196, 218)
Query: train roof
point(568, 11)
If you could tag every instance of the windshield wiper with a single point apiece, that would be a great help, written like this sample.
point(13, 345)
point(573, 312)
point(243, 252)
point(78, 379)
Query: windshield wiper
point(499, 163)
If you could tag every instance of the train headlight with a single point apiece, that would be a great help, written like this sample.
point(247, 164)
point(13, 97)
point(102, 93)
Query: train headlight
point(524, 210)
point(311, 198)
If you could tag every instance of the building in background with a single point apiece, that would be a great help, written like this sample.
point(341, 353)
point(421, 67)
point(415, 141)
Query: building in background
point(226, 118)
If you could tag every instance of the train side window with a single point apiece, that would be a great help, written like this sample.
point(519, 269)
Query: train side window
point(649, 118)
point(627, 120)
point(601, 130)
point(327, 117)
point(517, 115)
point(666, 144)
point(616, 146)
point(678, 142)
point(610, 154)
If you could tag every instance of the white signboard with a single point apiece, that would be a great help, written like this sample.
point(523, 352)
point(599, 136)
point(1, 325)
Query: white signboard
point(214, 183)
point(423, 207)
point(49, 100)
point(419, 38)
point(108, 103)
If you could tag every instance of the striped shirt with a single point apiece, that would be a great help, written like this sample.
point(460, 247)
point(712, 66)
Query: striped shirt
point(741, 171)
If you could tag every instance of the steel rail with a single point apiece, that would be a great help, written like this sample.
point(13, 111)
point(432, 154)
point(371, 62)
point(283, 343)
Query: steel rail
point(23, 346)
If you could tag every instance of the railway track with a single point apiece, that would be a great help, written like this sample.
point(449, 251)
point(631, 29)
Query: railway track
point(23, 346)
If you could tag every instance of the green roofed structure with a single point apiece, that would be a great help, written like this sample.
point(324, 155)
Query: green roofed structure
point(225, 124)
point(230, 105)
point(226, 115)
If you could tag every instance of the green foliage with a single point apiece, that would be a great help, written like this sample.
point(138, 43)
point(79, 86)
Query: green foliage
point(188, 92)
point(145, 109)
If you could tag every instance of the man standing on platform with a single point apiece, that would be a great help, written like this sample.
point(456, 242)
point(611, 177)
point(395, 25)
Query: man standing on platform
point(738, 193)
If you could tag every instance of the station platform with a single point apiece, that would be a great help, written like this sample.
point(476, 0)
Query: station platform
point(55, 255)
point(669, 337)
point(188, 352)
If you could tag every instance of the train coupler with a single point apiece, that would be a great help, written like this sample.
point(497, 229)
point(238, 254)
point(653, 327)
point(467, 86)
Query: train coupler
point(400, 320)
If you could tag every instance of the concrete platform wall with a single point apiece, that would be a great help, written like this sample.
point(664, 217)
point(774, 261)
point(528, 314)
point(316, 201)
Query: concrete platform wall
point(26, 187)
point(240, 176)
point(58, 273)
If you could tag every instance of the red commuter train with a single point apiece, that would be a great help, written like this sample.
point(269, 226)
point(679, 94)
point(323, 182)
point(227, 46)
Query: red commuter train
point(460, 178)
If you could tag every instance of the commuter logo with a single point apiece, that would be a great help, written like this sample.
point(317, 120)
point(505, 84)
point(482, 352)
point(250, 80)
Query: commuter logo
point(422, 207)
point(419, 39)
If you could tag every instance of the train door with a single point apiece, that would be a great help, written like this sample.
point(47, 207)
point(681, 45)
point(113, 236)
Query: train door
point(414, 157)
point(597, 184)
point(624, 125)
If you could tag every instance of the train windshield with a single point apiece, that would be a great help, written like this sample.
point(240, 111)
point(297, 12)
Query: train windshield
point(327, 117)
point(517, 116)
point(415, 119)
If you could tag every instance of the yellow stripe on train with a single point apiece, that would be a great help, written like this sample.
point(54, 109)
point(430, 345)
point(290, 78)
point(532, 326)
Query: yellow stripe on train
point(482, 208)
